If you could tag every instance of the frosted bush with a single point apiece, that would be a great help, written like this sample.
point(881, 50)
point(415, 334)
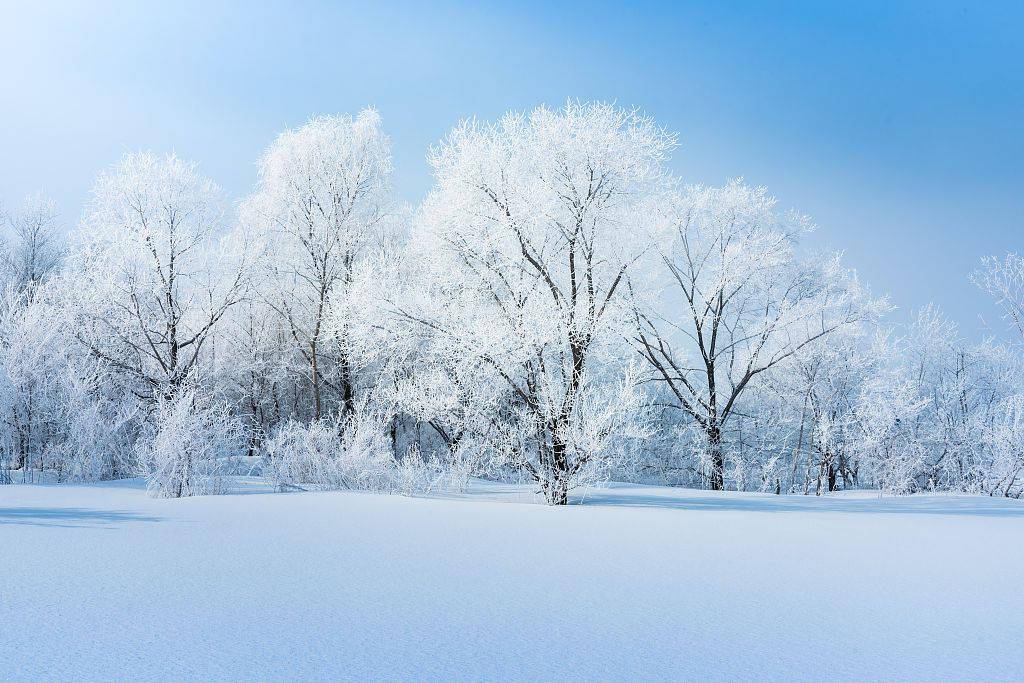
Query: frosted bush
point(99, 440)
point(414, 474)
point(349, 453)
point(184, 449)
point(356, 453)
point(1006, 442)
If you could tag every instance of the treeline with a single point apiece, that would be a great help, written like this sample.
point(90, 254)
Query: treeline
point(560, 308)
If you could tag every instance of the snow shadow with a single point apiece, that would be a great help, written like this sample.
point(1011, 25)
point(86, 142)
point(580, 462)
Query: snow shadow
point(70, 517)
point(975, 506)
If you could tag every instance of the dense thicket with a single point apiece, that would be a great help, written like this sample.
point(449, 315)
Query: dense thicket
point(560, 309)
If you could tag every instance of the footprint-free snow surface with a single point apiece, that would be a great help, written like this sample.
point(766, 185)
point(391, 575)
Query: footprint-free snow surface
point(103, 583)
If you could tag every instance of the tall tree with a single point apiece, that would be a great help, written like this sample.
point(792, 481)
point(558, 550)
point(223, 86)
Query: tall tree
point(321, 199)
point(735, 302)
point(32, 253)
point(153, 271)
point(531, 229)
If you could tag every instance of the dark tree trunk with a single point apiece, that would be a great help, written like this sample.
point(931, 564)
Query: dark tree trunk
point(316, 380)
point(558, 489)
point(717, 481)
point(348, 404)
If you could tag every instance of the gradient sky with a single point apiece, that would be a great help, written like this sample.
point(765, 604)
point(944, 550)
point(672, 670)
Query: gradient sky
point(898, 126)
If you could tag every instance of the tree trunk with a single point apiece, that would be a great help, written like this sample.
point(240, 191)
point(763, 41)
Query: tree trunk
point(844, 470)
point(717, 482)
point(563, 493)
point(557, 491)
point(348, 405)
point(316, 380)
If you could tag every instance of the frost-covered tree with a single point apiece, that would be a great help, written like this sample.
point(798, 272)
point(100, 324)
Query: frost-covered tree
point(889, 445)
point(153, 271)
point(529, 235)
point(822, 385)
point(1005, 438)
point(31, 253)
point(30, 365)
point(62, 414)
point(1003, 280)
point(933, 410)
point(962, 388)
point(735, 301)
point(321, 202)
point(33, 248)
point(257, 369)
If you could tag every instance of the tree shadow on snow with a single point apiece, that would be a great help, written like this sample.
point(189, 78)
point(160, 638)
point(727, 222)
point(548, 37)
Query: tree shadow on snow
point(70, 517)
point(975, 506)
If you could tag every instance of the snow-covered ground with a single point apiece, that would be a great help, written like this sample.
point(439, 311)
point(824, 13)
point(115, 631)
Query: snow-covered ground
point(102, 582)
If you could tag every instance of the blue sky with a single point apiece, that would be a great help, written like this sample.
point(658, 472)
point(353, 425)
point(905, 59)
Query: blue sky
point(897, 126)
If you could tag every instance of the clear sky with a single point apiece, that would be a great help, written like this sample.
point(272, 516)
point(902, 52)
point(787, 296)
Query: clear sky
point(898, 126)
